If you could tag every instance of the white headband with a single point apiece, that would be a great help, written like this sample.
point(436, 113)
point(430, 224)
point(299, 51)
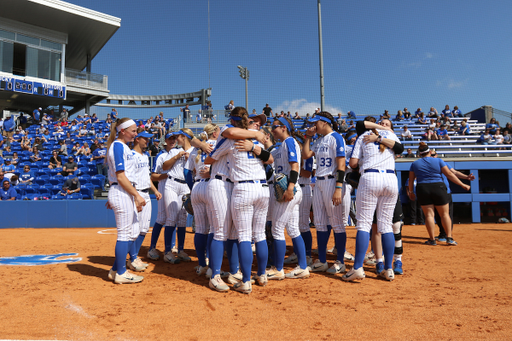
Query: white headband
point(204, 132)
point(425, 152)
point(125, 125)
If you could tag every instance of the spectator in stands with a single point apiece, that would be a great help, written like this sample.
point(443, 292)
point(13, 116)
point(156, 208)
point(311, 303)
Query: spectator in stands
point(76, 149)
point(86, 151)
point(407, 114)
point(433, 113)
point(25, 143)
point(70, 167)
point(70, 186)
point(99, 156)
point(307, 117)
point(446, 112)
point(507, 138)
point(508, 127)
point(64, 115)
point(63, 149)
point(55, 160)
point(342, 126)
point(297, 116)
point(7, 192)
point(417, 113)
point(456, 112)
point(492, 126)
point(339, 119)
point(385, 116)
point(36, 115)
point(114, 114)
point(267, 110)
point(430, 134)
point(38, 144)
point(399, 116)
point(446, 120)
point(464, 129)
point(499, 138)
point(27, 176)
point(155, 147)
point(351, 115)
point(45, 136)
point(8, 167)
point(454, 127)
point(487, 138)
point(351, 126)
point(35, 156)
point(422, 119)
point(442, 133)
point(15, 159)
point(409, 154)
point(94, 118)
point(406, 134)
point(9, 126)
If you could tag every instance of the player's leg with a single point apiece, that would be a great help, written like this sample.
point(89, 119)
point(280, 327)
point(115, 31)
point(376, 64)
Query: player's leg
point(336, 218)
point(159, 223)
point(397, 232)
point(322, 235)
point(198, 201)
point(302, 270)
point(304, 210)
point(173, 208)
point(144, 218)
point(242, 210)
point(258, 223)
point(385, 209)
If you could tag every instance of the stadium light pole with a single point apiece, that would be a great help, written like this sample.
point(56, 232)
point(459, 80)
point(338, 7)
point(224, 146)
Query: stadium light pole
point(321, 55)
point(244, 73)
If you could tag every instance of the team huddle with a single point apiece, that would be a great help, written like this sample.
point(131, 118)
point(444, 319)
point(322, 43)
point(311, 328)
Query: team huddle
point(247, 185)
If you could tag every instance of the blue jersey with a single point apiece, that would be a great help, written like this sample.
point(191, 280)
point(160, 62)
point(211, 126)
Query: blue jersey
point(100, 152)
point(428, 170)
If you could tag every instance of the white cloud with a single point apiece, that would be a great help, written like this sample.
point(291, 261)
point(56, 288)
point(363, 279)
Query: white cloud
point(451, 83)
point(419, 63)
point(429, 55)
point(302, 106)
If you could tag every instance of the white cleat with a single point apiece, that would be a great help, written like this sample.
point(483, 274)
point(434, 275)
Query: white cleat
point(354, 274)
point(337, 268)
point(217, 284)
point(318, 266)
point(298, 273)
point(127, 278)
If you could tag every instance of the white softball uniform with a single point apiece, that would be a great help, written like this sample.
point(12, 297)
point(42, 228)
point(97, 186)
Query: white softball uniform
point(220, 188)
point(307, 196)
point(143, 186)
point(120, 158)
point(347, 189)
point(378, 186)
point(286, 214)
point(161, 217)
point(270, 211)
point(327, 149)
point(175, 188)
point(199, 194)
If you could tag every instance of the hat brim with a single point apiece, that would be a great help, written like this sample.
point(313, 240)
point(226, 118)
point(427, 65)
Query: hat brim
point(144, 134)
point(262, 116)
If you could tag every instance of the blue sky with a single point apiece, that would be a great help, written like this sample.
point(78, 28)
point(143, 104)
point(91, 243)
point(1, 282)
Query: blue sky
point(377, 54)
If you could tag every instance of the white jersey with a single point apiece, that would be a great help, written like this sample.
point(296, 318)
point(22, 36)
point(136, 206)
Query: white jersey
point(370, 156)
point(120, 158)
point(160, 159)
point(327, 149)
point(176, 171)
point(289, 151)
point(197, 165)
point(221, 166)
point(142, 171)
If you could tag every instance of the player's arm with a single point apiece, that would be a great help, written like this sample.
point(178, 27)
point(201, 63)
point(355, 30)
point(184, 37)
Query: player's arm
point(123, 181)
point(292, 180)
point(396, 146)
point(340, 177)
point(170, 163)
point(242, 134)
point(306, 150)
point(153, 188)
point(158, 177)
point(205, 147)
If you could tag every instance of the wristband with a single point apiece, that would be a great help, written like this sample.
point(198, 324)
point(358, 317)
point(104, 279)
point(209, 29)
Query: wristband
point(340, 176)
point(340, 187)
point(379, 139)
point(252, 149)
point(294, 176)
point(264, 155)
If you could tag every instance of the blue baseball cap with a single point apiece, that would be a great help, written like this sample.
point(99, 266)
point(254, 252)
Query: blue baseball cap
point(168, 136)
point(145, 134)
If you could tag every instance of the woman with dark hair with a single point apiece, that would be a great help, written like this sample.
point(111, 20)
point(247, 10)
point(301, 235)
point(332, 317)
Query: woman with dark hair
point(329, 151)
point(431, 190)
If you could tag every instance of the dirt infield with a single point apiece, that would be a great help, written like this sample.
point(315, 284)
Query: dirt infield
point(446, 293)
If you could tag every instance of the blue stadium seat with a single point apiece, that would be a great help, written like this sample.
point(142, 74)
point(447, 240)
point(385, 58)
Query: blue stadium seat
point(32, 189)
point(29, 196)
point(87, 191)
point(58, 197)
point(74, 196)
point(44, 192)
point(56, 180)
point(83, 171)
point(55, 189)
point(84, 179)
point(42, 180)
point(98, 181)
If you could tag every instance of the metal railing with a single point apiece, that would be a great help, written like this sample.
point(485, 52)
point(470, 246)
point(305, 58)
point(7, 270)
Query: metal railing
point(206, 116)
point(501, 116)
point(86, 79)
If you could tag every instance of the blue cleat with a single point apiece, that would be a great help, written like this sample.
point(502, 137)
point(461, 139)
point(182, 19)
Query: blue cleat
point(397, 268)
point(379, 267)
point(441, 239)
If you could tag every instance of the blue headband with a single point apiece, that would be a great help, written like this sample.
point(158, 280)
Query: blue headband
point(235, 118)
point(181, 132)
point(300, 139)
point(286, 124)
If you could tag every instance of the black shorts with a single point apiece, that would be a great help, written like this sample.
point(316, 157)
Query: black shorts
point(397, 213)
point(432, 194)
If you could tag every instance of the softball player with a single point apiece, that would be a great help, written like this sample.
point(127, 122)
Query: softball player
point(287, 160)
point(220, 188)
point(329, 151)
point(249, 201)
point(199, 195)
point(144, 185)
point(377, 190)
point(175, 188)
point(161, 176)
point(123, 198)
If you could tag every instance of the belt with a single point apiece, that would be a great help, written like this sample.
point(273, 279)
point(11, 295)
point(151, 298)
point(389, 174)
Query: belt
point(379, 171)
point(145, 190)
point(270, 182)
point(116, 183)
point(325, 177)
point(252, 182)
point(203, 180)
point(302, 185)
point(219, 177)
point(178, 180)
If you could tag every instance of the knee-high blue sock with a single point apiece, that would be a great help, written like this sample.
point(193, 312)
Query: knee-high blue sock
point(388, 247)
point(200, 242)
point(209, 244)
point(121, 251)
point(245, 255)
point(134, 250)
point(279, 253)
point(169, 231)
point(181, 237)
point(173, 238)
point(155, 235)
point(340, 240)
point(216, 254)
point(300, 251)
point(232, 252)
point(362, 241)
point(308, 241)
point(322, 238)
point(262, 256)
